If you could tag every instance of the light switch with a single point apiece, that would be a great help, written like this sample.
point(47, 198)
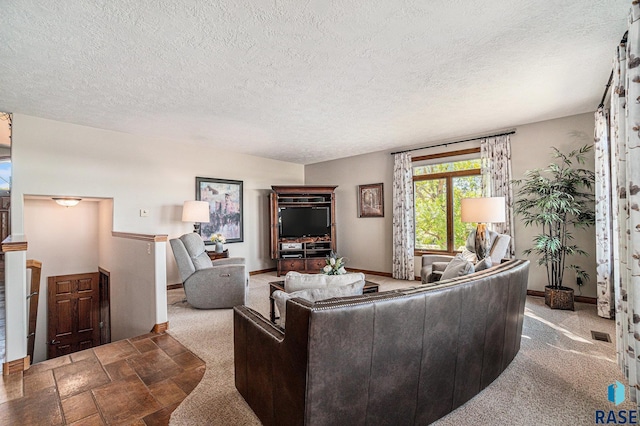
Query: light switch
point(144, 213)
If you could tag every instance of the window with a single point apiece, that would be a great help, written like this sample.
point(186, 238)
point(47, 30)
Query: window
point(5, 176)
point(438, 189)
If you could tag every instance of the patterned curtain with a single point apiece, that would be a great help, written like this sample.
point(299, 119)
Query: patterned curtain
point(606, 306)
point(618, 176)
point(495, 153)
point(625, 135)
point(403, 235)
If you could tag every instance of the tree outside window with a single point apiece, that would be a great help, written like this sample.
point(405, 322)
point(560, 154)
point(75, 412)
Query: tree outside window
point(438, 189)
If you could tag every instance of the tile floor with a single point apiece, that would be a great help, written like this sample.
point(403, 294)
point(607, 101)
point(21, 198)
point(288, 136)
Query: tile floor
point(138, 381)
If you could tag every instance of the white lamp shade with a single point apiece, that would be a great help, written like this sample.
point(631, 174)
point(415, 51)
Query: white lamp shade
point(483, 210)
point(195, 211)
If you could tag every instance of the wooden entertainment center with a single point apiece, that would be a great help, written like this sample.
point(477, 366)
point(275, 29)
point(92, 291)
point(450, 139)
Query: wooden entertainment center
point(302, 253)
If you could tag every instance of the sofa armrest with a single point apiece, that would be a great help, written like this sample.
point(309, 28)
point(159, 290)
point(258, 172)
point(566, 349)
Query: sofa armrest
point(266, 359)
point(219, 275)
point(264, 326)
point(229, 261)
point(427, 266)
point(229, 282)
point(439, 266)
point(428, 259)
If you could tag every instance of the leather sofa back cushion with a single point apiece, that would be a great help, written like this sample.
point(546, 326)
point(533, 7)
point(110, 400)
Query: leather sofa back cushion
point(315, 294)
point(458, 267)
point(295, 281)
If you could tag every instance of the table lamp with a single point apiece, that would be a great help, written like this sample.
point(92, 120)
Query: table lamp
point(482, 211)
point(196, 212)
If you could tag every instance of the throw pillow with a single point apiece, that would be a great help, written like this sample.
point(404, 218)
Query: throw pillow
point(483, 264)
point(294, 281)
point(437, 268)
point(314, 295)
point(458, 267)
point(469, 255)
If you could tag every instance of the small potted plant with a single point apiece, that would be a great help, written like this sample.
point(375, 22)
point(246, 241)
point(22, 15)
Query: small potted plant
point(335, 265)
point(557, 199)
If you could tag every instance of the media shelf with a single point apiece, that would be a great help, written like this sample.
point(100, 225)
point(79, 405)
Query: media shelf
point(302, 253)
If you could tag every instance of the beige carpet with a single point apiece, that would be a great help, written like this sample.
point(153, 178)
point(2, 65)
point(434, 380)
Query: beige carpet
point(560, 376)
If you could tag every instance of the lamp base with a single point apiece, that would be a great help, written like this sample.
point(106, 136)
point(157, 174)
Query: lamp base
point(196, 227)
point(482, 241)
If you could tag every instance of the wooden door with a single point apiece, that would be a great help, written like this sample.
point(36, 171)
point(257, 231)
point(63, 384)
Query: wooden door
point(74, 313)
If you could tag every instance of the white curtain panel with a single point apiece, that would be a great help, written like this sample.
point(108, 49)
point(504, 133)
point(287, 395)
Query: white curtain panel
point(604, 259)
point(618, 174)
point(495, 153)
point(625, 134)
point(403, 232)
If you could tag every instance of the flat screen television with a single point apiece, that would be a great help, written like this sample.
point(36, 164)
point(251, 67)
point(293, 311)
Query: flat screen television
point(304, 222)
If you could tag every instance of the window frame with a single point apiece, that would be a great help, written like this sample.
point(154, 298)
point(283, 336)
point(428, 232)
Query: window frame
point(448, 176)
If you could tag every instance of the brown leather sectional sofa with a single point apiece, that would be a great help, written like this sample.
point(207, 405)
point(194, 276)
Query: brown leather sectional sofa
point(402, 357)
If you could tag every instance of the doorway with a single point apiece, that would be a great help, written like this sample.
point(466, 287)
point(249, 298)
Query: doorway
point(68, 241)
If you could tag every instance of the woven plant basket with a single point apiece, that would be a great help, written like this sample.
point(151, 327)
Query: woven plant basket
point(559, 298)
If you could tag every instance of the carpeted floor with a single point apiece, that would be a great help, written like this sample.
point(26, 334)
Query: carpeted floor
point(560, 376)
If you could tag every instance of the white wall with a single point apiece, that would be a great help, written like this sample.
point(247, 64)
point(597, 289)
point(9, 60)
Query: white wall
point(51, 157)
point(366, 242)
point(65, 240)
point(531, 148)
point(132, 286)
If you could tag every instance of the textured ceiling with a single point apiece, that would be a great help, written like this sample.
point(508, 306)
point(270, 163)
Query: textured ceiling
point(306, 81)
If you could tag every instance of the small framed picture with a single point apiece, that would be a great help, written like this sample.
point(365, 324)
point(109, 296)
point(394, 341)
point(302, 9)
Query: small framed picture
point(225, 208)
point(370, 200)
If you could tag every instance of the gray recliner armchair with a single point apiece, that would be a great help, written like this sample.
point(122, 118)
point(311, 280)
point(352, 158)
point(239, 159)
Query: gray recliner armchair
point(434, 264)
point(209, 285)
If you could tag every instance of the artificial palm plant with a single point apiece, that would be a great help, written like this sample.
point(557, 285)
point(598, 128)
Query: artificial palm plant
point(558, 199)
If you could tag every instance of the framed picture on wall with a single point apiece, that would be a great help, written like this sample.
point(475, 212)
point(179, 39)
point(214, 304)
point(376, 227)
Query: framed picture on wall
point(370, 200)
point(225, 208)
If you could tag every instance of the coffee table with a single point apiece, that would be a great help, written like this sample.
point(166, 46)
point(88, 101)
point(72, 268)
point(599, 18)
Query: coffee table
point(369, 287)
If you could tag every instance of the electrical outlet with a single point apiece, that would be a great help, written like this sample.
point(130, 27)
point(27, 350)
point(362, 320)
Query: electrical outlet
point(144, 213)
point(148, 248)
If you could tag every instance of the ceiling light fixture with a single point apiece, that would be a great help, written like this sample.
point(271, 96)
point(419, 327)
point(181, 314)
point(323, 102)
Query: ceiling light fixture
point(67, 201)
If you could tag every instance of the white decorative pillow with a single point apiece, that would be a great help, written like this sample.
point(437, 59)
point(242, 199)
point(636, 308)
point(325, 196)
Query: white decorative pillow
point(469, 255)
point(315, 294)
point(295, 281)
point(485, 263)
point(458, 267)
